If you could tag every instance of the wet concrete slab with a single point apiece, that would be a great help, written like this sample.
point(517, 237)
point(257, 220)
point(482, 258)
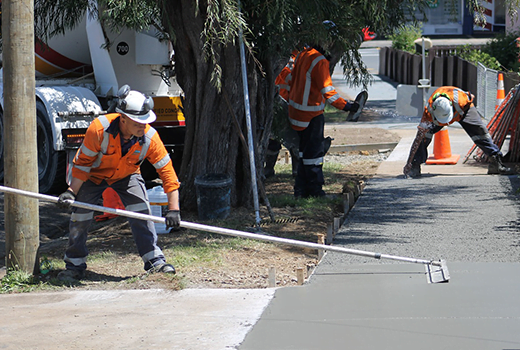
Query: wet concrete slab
point(391, 306)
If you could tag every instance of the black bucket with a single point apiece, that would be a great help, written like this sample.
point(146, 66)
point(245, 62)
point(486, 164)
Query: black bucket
point(213, 196)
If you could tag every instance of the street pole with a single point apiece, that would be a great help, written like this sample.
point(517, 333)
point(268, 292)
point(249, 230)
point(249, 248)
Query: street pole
point(250, 139)
point(20, 150)
point(424, 83)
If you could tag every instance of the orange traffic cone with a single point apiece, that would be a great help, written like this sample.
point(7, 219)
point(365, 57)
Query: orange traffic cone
point(442, 149)
point(501, 94)
point(111, 200)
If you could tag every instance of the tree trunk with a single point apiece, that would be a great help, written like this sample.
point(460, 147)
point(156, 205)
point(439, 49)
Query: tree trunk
point(212, 143)
point(20, 161)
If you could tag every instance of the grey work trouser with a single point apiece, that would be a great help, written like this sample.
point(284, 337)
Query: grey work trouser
point(132, 192)
point(474, 126)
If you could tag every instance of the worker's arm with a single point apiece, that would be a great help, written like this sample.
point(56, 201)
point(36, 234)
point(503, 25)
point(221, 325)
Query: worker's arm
point(75, 185)
point(173, 200)
point(173, 215)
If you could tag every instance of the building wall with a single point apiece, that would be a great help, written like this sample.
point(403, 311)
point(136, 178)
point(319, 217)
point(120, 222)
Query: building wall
point(448, 17)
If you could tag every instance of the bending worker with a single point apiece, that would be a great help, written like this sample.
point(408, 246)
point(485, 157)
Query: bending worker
point(114, 147)
point(310, 86)
point(446, 106)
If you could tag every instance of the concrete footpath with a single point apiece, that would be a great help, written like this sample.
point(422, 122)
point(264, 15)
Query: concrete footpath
point(454, 212)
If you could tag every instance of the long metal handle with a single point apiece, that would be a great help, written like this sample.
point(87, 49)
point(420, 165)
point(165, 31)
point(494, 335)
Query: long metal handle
point(224, 231)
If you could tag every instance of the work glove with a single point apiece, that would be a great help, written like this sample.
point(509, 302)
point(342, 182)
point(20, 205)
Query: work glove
point(351, 107)
point(173, 219)
point(65, 199)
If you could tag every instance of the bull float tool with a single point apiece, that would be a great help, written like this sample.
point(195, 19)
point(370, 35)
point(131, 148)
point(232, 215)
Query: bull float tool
point(436, 270)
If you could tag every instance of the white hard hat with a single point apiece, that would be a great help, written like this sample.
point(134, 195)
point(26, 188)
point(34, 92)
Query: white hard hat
point(442, 110)
point(135, 105)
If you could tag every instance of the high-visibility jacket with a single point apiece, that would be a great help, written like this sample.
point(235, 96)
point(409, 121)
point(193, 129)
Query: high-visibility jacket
point(100, 156)
point(311, 85)
point(461, 101)
point(282, 82)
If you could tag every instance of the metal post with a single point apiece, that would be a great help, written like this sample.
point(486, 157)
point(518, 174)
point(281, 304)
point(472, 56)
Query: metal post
point(249, 127)
point(424, 83)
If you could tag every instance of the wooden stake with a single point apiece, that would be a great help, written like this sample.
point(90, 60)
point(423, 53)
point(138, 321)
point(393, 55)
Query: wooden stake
point(346, 204)
point(337, 224)
point(321, 240)
point(299, 276)
point(272, 277)
point(330, 233)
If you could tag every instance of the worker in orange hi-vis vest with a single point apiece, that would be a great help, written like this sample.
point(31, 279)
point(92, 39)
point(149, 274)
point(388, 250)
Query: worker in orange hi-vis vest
point(310, 87)
point(447, 105)
point(114, 147)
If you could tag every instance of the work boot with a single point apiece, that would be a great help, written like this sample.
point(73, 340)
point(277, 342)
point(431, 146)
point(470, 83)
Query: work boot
point(270, 161)
point(295, 160)
point(415, 171)
point(496, 166)
point(71, 275)
point(162, 268)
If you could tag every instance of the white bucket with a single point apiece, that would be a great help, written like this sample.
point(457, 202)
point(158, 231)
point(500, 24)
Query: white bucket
point(158, 205)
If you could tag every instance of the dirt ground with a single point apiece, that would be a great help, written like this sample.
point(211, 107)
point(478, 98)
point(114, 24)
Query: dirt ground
point(234, 267)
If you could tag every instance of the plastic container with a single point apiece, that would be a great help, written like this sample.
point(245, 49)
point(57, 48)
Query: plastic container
point(213, 196)
point(158, 205)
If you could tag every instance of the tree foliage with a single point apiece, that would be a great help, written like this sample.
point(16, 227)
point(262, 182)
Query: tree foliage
point(505, 49)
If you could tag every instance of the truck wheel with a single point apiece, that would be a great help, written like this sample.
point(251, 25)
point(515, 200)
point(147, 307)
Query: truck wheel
point(51, 164)
point(1, 146)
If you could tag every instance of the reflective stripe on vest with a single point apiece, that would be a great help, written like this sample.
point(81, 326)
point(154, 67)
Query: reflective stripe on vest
point(104, 143)
point(299, 123)
point(456, 101)
point(147, 141)
point(161, 163)
point(307, 90)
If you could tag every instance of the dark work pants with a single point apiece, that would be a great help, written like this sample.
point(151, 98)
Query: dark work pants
point(132, 192)
point(309, 180)
point(474, 126)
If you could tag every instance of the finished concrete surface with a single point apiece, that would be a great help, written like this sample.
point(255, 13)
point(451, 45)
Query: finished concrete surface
point(192, 319)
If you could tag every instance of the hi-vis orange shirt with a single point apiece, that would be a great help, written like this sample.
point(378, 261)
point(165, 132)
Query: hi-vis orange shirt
point(461, 101)
point(281, 82)
point(310, 87)
point(100, 156)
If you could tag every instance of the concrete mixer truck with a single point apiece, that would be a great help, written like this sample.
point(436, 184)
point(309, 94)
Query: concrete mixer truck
point(77, 78)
